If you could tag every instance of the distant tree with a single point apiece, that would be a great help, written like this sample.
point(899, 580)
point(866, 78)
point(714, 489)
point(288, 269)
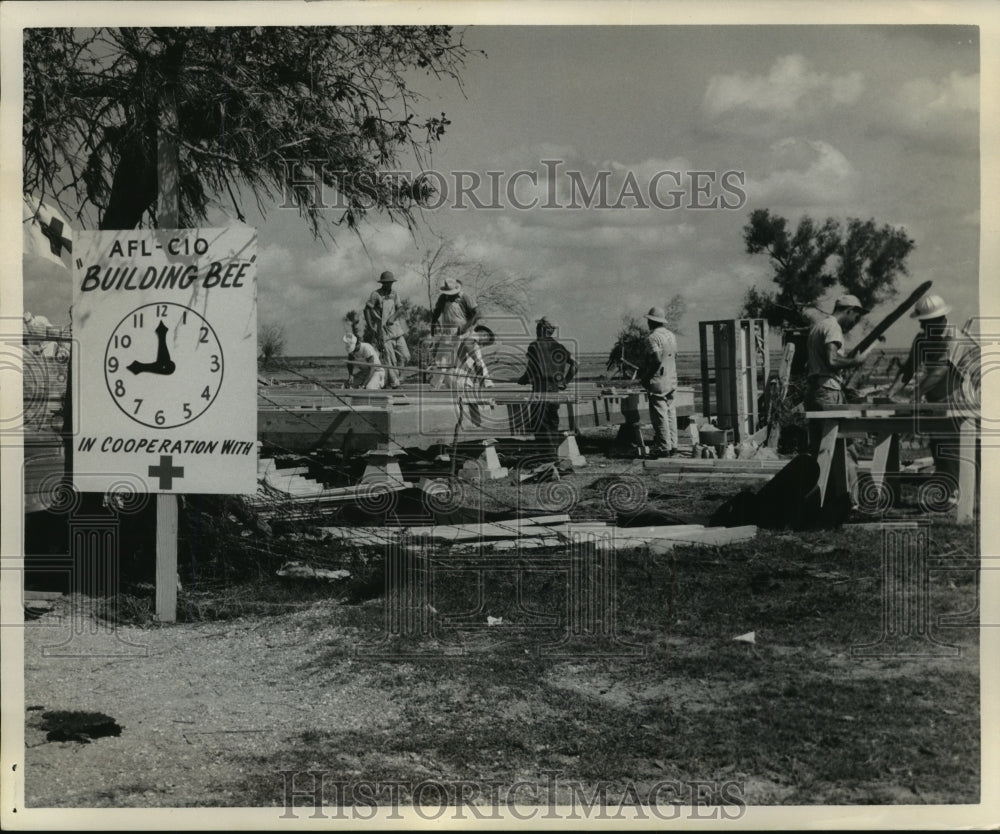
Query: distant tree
point(417, 320)
point(863, 259)
point(631, 345)
point(496, 290)
point(871, 257)
point(262, 111)
point(271, 343)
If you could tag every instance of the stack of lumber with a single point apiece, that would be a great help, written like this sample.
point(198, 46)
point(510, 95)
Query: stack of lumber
point(292, 482)
point(543, 531)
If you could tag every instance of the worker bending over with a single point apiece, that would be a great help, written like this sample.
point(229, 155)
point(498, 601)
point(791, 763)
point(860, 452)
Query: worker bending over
point(364, 368)
point(472, 376)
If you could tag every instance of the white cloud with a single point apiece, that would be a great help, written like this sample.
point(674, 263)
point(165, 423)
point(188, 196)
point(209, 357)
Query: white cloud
point(805, 172)
point(596, 236)
point(942, 114)
point(789, 87)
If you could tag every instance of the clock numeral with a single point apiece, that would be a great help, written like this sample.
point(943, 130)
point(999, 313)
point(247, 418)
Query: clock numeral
point(184, 317)
point(161, 311)
point(159, 418)
point(206, 394)
point(187, 411)
point(203, 338)
point(123, 341)
point(136, 320)
point(119, 388)
point(216, 365)
point(138, 405)
point(112, 364)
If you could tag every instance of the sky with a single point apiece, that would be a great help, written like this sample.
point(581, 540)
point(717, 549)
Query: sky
point(826, 121)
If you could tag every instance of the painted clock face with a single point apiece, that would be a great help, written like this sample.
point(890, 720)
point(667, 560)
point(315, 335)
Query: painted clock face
point(163, 365)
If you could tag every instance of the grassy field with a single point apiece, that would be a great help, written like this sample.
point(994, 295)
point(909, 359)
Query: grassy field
point(264, 676)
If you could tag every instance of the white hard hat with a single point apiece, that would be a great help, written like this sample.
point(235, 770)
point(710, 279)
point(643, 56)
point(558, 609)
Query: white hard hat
point(930, 307)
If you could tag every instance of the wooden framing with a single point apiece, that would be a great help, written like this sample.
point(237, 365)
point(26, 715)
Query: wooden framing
point(740, 370)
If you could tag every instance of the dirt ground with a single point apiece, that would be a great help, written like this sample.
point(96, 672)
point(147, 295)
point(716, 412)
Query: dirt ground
point(213, 711)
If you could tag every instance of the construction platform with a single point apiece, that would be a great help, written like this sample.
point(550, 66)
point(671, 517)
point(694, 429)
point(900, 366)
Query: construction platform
point(310, 418)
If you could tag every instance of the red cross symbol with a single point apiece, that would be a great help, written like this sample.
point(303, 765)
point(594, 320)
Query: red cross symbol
point(53, 231)
point(166, 471)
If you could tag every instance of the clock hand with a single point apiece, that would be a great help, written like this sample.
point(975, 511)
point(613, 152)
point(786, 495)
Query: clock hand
point(164, 364)
point(165, 369)
point(162, 353)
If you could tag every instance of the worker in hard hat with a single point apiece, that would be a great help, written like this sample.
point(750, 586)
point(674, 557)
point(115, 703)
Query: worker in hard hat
point(936, 369)
point(550, 368)
point(659, 377)
point(385, 328)
point(934, 355)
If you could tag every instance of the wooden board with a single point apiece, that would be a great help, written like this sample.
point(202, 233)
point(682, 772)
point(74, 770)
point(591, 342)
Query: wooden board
point(714, 465)
point(891, 319)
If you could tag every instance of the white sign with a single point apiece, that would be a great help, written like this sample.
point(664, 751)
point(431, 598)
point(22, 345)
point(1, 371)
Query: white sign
point(166, 323)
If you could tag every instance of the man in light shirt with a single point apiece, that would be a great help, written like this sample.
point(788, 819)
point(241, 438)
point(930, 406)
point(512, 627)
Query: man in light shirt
point(385, 329)
point(659, 378)
point(826, 355)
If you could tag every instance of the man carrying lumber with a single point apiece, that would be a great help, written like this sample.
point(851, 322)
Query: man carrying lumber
point(384, 330)
point(659, 378)
point(936, 368)
point(454, 314)
point(551, 367)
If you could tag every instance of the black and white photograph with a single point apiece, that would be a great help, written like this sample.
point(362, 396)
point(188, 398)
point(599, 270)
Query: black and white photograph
point(498, 415)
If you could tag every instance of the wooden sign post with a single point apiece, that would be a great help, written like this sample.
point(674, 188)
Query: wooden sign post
point(167, 403)
point(167, 217)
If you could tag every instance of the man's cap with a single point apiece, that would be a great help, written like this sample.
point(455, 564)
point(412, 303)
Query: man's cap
point(450, 287)
point(848, 302)
point(656, 314)
point(930, 307)
point(545, 324)
point(386, 277)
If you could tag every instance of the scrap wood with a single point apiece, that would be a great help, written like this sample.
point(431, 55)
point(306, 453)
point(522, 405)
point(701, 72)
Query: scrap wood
point(270, 502)
point(714, 536)
point(710, 535)
point(359, 535)
point(712, 477)
point(714, 465)
point(297, 570)
point(535, 526)
point(543, 472)
point(519, 532)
